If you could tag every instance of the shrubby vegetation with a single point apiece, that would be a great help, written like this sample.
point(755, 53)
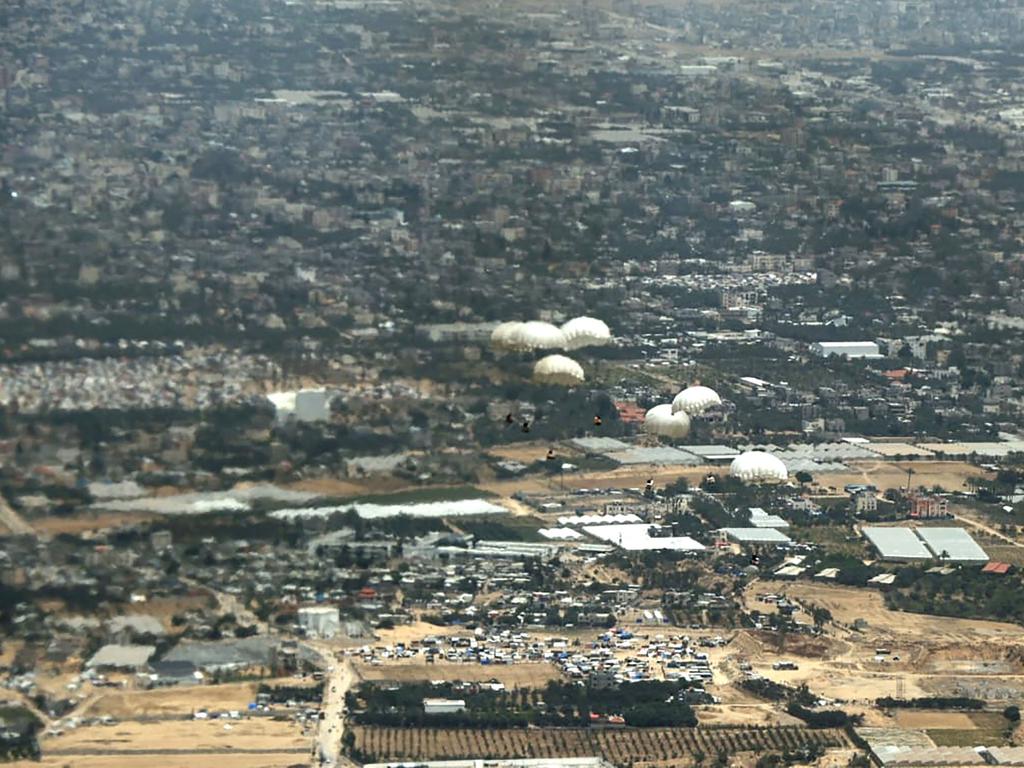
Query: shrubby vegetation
point(966, 593)
point(644, 704)
point(931, 702)
point(822, 718)
point(18, 740)
point(279, 694)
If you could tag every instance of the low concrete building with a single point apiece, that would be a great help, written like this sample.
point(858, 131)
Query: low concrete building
point(320, 620)
point(443, 706)
point(121, 657)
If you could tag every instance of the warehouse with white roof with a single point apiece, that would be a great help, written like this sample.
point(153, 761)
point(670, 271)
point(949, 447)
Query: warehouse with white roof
point(637, 537)
point(850, 349)
point(956, 543)
point(897, 544)
point(755, 535)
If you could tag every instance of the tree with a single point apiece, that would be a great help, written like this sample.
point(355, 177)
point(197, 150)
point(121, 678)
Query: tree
point(803, 477)
point(821, 616)
point(1012, 713)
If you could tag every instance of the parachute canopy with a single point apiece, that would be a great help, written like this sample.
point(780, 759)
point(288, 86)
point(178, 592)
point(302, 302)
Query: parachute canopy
point(538, 335)
point(661, 421)
point(758, 467)
point(693, 401)
point(585, 332)
point(558, 369)
point(527, 336)
point(502, 336)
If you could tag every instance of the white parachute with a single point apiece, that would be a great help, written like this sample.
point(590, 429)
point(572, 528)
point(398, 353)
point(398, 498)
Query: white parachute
point(660, 421)
point(558, 369)
point(502, 336)
point(538, 335)
point(525, 337)
point(585, 332)
point(694, 400)
point(758, 467)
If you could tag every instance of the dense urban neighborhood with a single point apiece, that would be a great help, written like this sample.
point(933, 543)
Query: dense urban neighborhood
point(464, 384)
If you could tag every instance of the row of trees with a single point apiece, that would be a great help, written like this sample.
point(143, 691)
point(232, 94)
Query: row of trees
point(642, 704)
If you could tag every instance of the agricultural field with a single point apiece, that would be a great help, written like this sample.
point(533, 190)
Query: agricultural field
point(885, 475)
point(169, 760)
point(505, 528)
point(980, 728)
point(177, 701)
point(620, 746)
point(247, 743)
point(836, 539)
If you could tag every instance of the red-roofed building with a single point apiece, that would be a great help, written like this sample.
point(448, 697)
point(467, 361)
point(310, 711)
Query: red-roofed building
point(925, 506)
point(999, 569)
point(630, 413)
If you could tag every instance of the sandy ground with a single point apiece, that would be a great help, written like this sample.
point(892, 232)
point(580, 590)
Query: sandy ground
point(848, 604)
point(195, 760)
point(927, 654)
point(88, 521)
point(332, 486)
point(530, 452)
point(899, 450)
point(621, 477)
point(883, 474)
point(907, 718)
point(198, 735)
point(512, 675)
point(169, 702)
point(950, 475)
point(269, 744)
point(406, 633)
point(745, 714)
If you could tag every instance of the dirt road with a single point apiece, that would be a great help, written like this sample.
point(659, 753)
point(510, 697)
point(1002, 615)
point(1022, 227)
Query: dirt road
point(12, 521)
point(970, 521)
point(227, 603)
point(341, 676)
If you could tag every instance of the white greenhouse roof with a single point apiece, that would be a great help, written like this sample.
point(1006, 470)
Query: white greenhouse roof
point(560, 534)
point(956, 542)
point(761, 519)
point(756, 535)
point(654, 455)
point(637, 536)
point(595, 519)
point(897, 543)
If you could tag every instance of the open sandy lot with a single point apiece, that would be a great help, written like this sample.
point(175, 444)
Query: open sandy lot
point(416, 631)
point(900, 450)
point(928, 655)
point(198, 735)
point(950, 475)
point(247, 743)
point(530, 452)
point(924, 719)
point(88, 521)
point(193, 760)
point(622, 477)
point(172, 702)
point(332, 486)
point(849, 603)
point(512, 675)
